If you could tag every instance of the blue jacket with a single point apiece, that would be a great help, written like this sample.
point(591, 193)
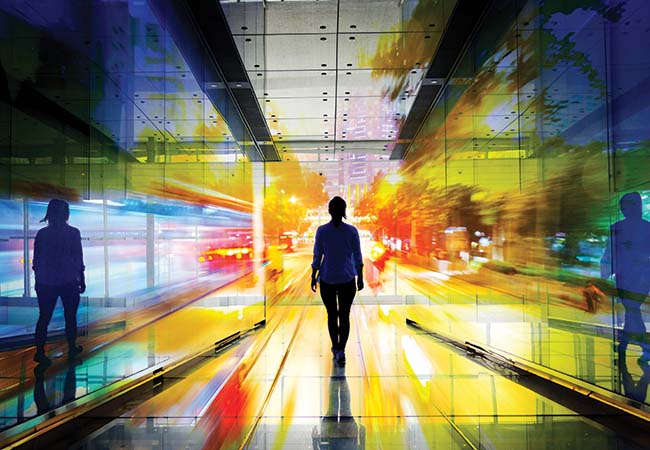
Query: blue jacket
point(58, 257)
point(337, 253)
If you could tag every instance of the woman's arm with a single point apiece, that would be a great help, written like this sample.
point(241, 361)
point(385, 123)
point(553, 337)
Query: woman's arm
point(316, 262)
point(358, 259)
point(79, 254)
point(36, 259)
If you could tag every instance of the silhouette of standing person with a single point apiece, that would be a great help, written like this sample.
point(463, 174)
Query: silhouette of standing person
point(627, 258)
point(59, 271)
point(338, 428)
point(337, 260)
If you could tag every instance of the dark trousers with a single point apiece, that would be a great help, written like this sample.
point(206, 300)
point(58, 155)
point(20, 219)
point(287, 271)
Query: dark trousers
point(634, 330)
point(338, 313)
point(47, 296)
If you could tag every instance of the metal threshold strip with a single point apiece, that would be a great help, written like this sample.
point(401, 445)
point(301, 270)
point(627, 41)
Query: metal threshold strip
point(40, 430)
point(607, 408)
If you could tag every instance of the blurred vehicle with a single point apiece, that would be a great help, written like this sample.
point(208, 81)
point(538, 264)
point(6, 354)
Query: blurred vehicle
point(288, 241)
point(227, 246)
point(453, 244)
point(481, 246)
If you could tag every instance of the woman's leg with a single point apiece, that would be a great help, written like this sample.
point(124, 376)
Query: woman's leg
point(346, 292)
point(328, 294)
point(46, 301)
point(70, 298)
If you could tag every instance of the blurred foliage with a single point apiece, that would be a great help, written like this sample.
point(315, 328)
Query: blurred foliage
point(286, 180)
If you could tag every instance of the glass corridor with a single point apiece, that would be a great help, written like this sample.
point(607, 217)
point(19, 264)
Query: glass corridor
point(486, 151)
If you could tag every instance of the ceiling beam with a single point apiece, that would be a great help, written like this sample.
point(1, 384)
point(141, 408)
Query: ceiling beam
point(201, 32)
point(460, 28)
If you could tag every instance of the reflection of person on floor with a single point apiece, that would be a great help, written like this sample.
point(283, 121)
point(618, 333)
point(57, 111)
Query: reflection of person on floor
point(627, 258)
point(59, 271)
point(637, 391)
point(338, 428)
point(337, 260)
point(69, 387)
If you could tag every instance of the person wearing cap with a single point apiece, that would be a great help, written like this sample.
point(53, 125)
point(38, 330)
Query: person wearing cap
point(337, 261)
point(59, 272)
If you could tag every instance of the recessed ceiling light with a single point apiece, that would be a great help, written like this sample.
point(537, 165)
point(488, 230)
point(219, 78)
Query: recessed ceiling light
point(323, 65)
point(353, 26)
point(324, 93)
point(427, 37)
point(244, 28)
point(322, 27)
point(248, 39)
point(323, 38)
point(323, 73)
point(352, 38)
point(349, 64)
point(348, 73)
point(347, 92)
point(256, 65)
point(324, 99)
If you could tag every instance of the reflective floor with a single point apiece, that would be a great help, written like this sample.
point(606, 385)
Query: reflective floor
point(165, 332)
point(280, 389)
point(399, 389)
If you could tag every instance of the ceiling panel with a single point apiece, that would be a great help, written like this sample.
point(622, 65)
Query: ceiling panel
point(359, 61)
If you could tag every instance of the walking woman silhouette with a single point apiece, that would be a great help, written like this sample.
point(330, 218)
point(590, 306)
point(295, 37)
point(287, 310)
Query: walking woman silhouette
point(59, 271)
point(337, 260)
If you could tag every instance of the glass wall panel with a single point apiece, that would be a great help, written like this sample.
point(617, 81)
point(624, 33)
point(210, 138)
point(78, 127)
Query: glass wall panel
point(100, 107)
point(525, 160)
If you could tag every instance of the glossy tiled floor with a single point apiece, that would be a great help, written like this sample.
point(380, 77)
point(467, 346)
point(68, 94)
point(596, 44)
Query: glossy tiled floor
point(399, 389)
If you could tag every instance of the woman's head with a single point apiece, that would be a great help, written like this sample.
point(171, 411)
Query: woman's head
point(632, 205)
point(58, 212)
point(336, 208)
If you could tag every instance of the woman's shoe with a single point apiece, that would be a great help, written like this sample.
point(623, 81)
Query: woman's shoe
point(340, 357)
point(333, 352)
point(74, 351)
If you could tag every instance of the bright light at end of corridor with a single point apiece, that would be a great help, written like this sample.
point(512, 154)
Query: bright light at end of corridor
point(417, 360)
point(394, 178)
point(293, 199)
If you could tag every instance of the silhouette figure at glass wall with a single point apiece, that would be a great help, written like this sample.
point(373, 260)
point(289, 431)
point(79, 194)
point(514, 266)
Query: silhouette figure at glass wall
point(43, 403)
point(337, 260)
point(338, 429)
point(627, 258)
point(59, 272)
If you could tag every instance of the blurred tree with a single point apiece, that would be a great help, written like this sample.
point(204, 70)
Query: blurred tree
point(290, 191)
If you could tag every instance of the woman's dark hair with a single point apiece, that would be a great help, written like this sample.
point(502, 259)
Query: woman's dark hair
point(336, 208)
point(632, 205)
point(58, 212)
